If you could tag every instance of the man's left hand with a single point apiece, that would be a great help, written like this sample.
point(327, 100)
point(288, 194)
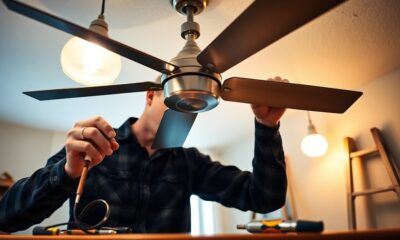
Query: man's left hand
point(267, 115)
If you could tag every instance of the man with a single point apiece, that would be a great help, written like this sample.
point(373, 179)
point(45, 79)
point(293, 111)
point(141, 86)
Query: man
point(148, 189)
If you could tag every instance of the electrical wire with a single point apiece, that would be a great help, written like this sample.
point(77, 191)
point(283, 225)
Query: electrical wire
point(309, 117)
point(103, 7)
point(84, 226)
point(78, 223)
point(78, 217)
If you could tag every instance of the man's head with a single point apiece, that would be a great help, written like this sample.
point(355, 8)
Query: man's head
point(154, 109)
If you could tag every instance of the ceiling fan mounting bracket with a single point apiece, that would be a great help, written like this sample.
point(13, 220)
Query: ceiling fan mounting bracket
point(181, 5)
point(189, 8)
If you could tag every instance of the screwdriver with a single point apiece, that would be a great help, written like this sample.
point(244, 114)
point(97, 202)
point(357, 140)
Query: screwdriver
point(282, 226)
point(39, 230)
point(87, 160)
point(82, 180)
point(92, 231)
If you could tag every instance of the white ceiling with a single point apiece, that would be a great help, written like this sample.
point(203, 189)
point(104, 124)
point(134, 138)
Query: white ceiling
point(345, 48)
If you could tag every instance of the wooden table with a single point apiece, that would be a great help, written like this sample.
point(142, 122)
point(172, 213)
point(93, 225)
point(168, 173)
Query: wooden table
point(378, 234)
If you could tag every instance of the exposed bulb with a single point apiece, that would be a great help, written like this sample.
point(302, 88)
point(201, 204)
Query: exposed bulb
point(88, 63)
point(314, 145)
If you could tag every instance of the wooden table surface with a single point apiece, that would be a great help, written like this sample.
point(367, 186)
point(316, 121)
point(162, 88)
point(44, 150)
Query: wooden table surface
point(378, 234)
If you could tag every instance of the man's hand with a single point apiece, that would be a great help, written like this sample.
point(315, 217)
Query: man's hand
point(93, 137)
point(266, 115)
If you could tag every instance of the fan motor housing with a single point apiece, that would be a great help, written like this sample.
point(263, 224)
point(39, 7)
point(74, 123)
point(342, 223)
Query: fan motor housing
point(193, 89)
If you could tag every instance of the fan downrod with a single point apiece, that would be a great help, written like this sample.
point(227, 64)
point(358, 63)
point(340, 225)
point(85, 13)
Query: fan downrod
point(181, 5)
point(189, 8)
point(192, 87)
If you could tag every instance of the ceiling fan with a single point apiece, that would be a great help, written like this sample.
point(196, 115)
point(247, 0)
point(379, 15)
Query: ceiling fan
point(192, 81)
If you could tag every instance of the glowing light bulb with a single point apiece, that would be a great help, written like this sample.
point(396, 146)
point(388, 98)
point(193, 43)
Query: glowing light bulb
point(314, 145)
point(88, 63)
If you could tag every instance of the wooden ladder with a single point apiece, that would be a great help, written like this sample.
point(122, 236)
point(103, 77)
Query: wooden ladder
point(388, 162)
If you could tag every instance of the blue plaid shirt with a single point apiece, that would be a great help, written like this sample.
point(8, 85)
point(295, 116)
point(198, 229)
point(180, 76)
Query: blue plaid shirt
point(152, 193)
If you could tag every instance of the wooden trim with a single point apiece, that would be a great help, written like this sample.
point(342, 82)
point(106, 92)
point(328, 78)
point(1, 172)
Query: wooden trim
point(386, 234)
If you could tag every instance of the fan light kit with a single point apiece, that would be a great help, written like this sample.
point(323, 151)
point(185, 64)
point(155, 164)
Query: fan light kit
point(314, 144)
point(88, 63)
point(192, 81)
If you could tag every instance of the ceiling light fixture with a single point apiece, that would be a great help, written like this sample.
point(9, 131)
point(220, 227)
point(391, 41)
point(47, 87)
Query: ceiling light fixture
point(88, 63)
point(314, 144)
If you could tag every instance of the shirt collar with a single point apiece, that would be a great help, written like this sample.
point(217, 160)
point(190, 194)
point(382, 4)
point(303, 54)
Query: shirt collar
point(124, 132)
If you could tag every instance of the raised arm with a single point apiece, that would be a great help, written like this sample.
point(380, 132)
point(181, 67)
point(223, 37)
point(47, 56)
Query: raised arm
point(263, 190)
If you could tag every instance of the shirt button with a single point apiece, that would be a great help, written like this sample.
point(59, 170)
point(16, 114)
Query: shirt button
point(146, 188)
point(53, 179)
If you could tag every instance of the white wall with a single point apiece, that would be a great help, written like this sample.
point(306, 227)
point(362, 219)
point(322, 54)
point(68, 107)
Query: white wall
point(24, 150)
point(319, 184)
point(241, 156)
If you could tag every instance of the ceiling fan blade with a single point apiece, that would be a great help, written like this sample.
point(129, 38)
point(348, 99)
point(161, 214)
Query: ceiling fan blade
point(261, 24)
point(173, 129)
point(288, 95)
point(93, 91)
point(84, 33)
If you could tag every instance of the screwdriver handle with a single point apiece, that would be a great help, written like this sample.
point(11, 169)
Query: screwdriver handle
point(82, 179)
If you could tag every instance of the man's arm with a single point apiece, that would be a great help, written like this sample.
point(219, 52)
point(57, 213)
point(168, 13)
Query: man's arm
point(31, 200)
point(263, 190)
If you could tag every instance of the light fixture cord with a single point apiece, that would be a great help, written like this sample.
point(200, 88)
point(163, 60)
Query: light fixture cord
point(103, 7)
point(309, 117)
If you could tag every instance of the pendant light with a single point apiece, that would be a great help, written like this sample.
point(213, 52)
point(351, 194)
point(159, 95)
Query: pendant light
point(314, 144)
point(88, 63)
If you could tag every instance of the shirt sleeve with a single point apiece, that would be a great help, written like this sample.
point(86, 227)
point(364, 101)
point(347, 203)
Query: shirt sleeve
point(262, 190)
point(30, 200)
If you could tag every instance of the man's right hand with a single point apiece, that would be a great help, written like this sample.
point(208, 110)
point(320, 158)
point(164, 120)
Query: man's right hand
point(94, 138)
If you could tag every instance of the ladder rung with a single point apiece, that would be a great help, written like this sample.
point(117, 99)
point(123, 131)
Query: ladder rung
point(373, 191)
point(364, 152)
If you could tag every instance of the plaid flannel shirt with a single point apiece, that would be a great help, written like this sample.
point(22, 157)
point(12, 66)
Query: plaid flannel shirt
point(152, 193)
